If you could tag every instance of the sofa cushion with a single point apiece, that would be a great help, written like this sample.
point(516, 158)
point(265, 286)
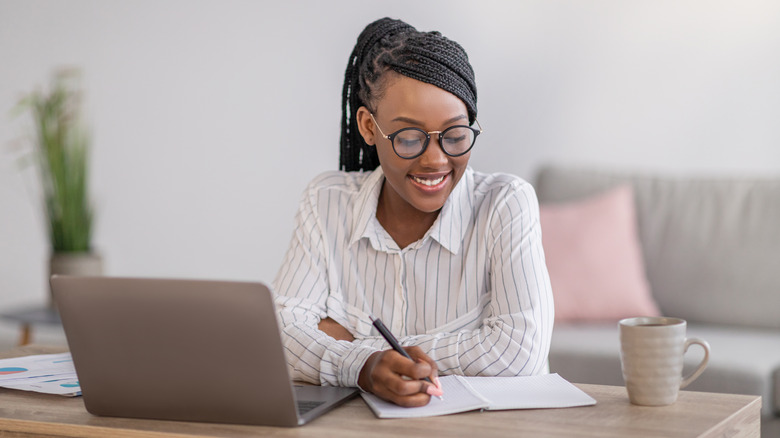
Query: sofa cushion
point(710, 244)
point(590, 353)
point(594, 258)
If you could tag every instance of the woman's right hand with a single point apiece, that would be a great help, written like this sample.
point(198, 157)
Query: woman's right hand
point(397, 379)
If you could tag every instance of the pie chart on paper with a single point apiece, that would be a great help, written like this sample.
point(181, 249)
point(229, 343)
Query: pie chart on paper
point(11, 370)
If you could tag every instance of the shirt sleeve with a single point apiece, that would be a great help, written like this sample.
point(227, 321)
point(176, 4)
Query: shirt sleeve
point(515, 337)
point(302, 301)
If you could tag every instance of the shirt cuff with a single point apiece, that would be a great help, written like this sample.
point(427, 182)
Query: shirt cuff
point(347, 365)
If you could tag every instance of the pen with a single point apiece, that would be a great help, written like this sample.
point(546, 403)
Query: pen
point(396, 346)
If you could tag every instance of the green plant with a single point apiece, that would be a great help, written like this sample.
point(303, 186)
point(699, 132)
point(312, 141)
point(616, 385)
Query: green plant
point(60, 150)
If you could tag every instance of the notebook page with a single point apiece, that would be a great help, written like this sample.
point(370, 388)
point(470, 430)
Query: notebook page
point(529, 392)
point(458, 397)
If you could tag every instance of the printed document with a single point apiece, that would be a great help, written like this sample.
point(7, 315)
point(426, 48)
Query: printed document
point(46, 373)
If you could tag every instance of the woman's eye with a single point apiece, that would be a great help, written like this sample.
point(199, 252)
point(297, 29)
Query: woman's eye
point(409, 142)
point(455, 140)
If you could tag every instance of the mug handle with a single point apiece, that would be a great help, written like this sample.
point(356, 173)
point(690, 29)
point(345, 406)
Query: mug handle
point(688, 342)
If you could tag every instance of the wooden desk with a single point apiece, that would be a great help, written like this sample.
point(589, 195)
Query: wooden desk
point(696, 414)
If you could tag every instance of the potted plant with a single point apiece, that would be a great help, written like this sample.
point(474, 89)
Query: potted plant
point(61, 154)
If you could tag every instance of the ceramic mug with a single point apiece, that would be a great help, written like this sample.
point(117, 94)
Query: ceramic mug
point(651, 356)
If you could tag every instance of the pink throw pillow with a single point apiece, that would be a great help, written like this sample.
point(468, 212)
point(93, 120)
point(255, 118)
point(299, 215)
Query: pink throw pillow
point(594, 258)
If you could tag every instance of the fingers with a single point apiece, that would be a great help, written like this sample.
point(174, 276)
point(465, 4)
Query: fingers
point(335, 330)
point(419, 356)
point(393, 377)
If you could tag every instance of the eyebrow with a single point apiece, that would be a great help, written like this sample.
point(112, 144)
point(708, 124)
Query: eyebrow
point(419, 123)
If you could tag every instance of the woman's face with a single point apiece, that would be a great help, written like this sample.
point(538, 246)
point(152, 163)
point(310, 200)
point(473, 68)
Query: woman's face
point(423, 183)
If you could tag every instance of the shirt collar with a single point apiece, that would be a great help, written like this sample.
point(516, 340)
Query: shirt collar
point(448, 229)
point(364, 209)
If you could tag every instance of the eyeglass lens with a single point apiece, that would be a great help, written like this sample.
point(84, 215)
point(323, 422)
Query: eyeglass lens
point(456, 140)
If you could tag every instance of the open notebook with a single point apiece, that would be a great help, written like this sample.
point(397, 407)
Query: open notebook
point(463, 394)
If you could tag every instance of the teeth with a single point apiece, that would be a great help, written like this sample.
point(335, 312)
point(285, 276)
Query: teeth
point(429, 182)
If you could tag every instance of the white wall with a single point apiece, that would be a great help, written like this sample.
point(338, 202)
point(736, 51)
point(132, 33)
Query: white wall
point(209, 118)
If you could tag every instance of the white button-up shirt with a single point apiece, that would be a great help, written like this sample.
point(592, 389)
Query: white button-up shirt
point(473, 293)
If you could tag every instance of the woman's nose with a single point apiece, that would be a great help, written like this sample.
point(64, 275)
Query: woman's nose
point(434, 156)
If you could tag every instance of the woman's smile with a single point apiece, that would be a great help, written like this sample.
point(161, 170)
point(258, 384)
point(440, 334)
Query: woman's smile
point(430, 182)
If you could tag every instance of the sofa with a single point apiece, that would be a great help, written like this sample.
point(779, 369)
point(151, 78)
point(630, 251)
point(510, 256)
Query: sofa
point(709, 249)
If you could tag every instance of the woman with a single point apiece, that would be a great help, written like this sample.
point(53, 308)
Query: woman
point(450, 259)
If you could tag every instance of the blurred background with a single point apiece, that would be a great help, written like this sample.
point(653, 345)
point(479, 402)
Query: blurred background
point(208, 118)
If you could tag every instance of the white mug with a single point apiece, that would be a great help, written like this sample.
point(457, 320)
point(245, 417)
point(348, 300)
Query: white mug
point(651, 357)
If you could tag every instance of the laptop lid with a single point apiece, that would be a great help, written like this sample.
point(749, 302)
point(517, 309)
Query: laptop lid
point(192, 350)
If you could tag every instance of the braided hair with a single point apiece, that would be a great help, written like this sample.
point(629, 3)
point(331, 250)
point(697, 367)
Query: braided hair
point(392, 45)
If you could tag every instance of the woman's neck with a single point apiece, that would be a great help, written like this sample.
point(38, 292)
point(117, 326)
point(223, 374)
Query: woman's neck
point(404, 223)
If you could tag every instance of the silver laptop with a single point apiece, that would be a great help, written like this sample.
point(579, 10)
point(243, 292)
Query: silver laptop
point(189, 350)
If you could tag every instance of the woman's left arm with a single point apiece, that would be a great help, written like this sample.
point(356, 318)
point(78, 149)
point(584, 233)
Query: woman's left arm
point(515, 338)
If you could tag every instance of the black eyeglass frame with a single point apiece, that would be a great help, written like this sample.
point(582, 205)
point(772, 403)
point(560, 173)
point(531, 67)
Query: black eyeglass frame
point(392, 136)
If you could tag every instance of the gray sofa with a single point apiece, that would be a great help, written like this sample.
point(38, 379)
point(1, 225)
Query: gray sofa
point(711, 250)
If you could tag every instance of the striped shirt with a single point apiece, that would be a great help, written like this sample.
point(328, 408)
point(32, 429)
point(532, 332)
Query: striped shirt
point(473, 293)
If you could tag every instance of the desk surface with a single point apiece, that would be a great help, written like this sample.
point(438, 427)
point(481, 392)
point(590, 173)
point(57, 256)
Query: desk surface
point(696, 414)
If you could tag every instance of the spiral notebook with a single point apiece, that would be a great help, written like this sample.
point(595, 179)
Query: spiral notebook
point(462, 394)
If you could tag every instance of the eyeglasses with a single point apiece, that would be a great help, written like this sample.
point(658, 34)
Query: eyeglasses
point(411, 142)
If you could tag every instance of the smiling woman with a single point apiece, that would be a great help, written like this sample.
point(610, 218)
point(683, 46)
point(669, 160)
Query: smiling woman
point(416, 187)
point(450, 258)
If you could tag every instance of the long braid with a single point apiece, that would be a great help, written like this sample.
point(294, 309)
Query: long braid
point(388, 44)
point(355, 153)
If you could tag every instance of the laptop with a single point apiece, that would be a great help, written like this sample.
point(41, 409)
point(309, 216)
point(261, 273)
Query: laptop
point(191, 350)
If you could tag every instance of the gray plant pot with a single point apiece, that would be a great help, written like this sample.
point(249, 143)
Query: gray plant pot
point(75, 263)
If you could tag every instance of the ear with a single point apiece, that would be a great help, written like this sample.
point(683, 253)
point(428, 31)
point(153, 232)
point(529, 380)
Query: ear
point(366, 126)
